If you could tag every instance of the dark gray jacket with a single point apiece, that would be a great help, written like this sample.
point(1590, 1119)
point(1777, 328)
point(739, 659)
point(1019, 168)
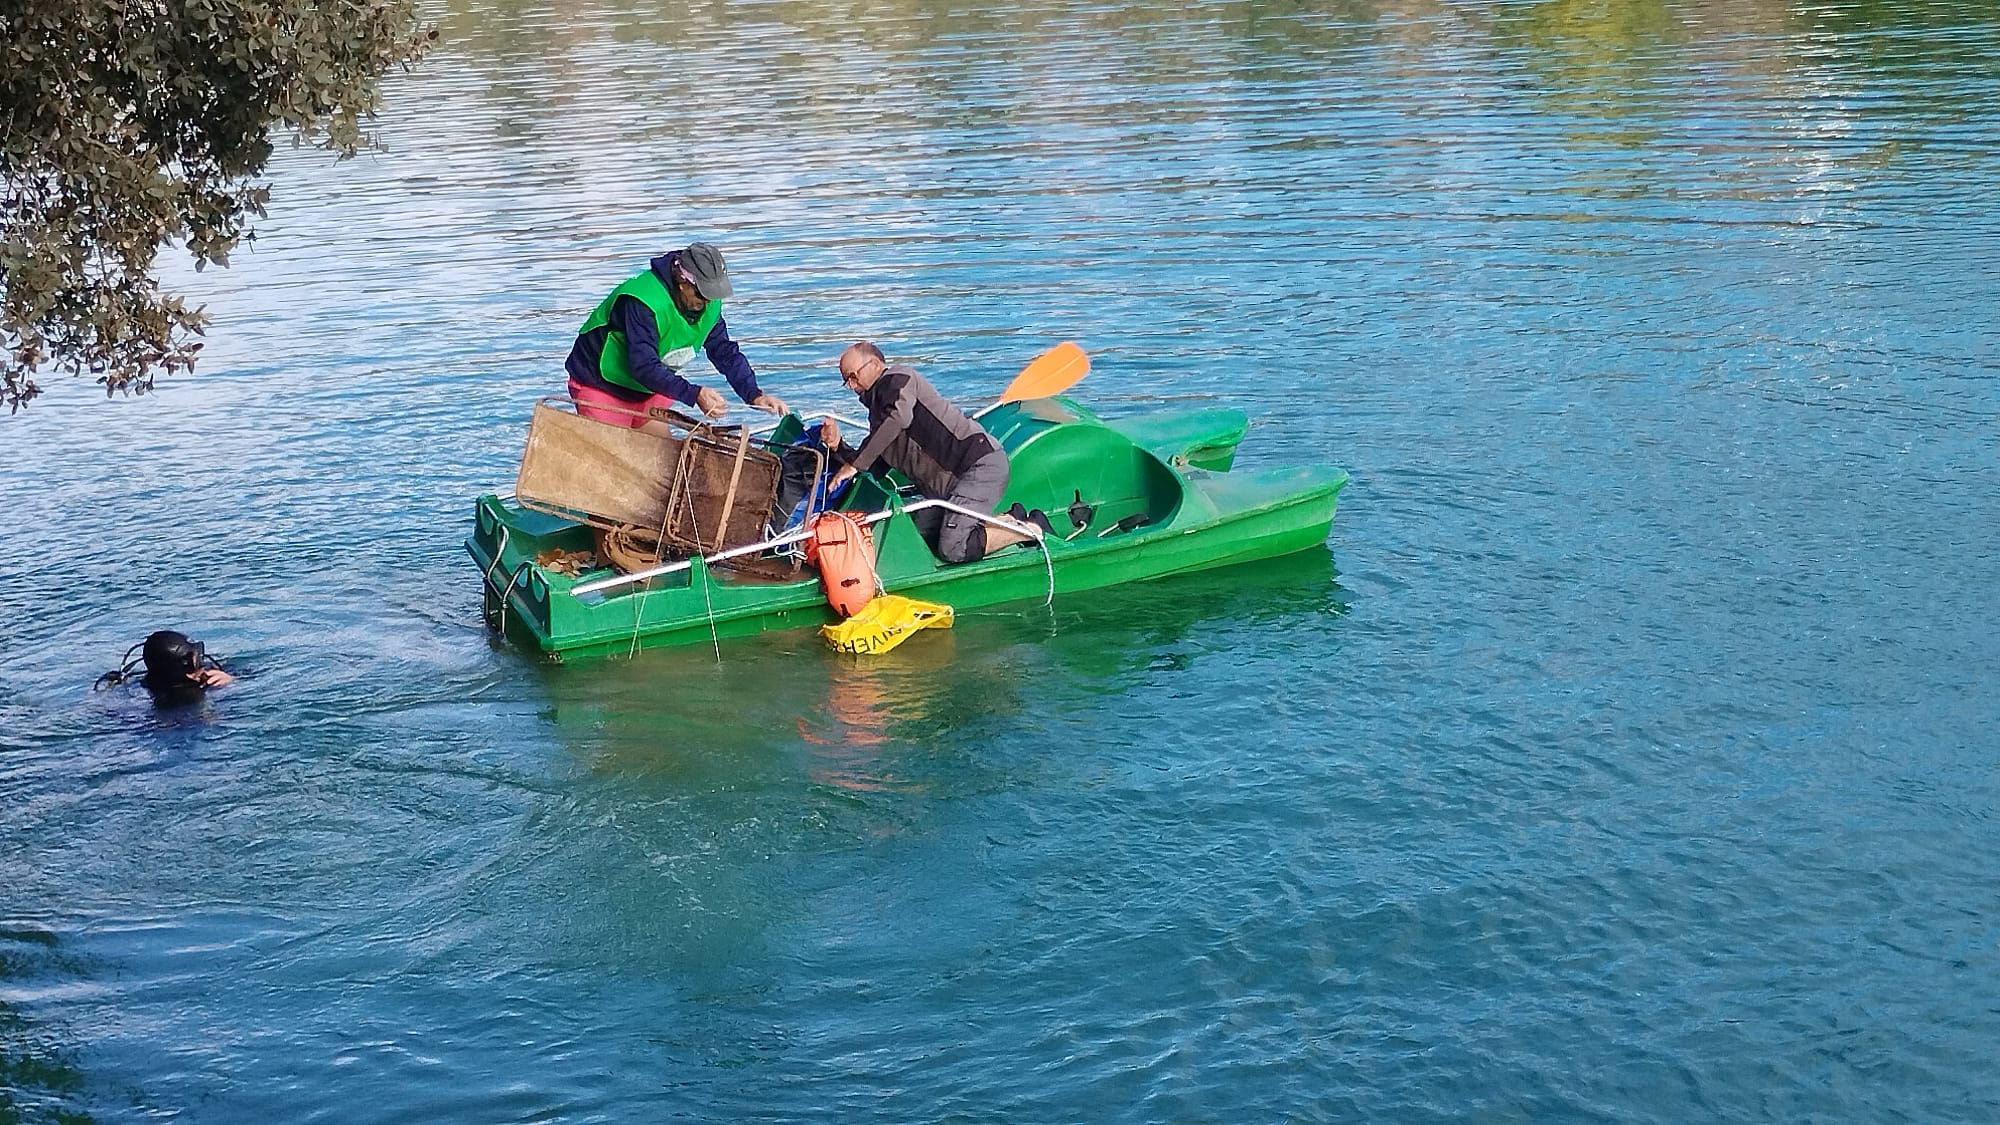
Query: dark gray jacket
point(914, 429)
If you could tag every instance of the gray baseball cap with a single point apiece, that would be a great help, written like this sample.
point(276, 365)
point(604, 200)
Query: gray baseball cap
point(703, 262)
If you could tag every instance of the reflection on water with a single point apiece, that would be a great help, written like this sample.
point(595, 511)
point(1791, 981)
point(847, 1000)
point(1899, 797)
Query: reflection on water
point(683, 713)
point(723, 798)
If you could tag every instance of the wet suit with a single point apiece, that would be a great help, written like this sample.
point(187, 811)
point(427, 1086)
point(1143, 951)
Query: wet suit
point(172, 691)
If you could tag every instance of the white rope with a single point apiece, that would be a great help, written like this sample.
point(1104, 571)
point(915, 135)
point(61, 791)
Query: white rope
point(1048, 599)
point(638, 612)
point(694, 521)
point(683, 564)
point(1030, 530)
point(707, 579)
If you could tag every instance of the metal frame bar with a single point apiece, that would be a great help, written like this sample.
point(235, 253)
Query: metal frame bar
point(799, 535)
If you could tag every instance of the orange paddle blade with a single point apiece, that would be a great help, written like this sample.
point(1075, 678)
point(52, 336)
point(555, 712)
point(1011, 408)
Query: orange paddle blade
point(1052, 372)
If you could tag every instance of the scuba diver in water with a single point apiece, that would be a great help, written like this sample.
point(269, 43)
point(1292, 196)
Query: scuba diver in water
point(178, 669)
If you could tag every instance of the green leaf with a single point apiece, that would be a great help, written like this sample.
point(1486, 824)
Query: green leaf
point(121, 135)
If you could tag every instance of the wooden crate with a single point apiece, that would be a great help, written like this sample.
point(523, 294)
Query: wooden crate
point(696, 487)
point(722, 492)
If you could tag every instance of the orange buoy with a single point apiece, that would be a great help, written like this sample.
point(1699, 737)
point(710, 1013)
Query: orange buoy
point(844, 551)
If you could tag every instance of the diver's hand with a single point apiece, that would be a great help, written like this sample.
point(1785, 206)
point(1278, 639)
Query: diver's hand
point(770, 404)
point(829, 432)
point(214, 677)
point(709, 402)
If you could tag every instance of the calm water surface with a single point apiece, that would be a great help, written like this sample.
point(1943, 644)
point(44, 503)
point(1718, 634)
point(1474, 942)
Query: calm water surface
point(1627, 755)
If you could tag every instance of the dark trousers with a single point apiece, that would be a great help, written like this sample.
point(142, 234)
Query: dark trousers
point(955, 538)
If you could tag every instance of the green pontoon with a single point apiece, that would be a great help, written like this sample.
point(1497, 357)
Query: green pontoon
point(1161, 495)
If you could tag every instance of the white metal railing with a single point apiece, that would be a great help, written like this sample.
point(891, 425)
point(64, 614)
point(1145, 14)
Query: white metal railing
point(796, 536)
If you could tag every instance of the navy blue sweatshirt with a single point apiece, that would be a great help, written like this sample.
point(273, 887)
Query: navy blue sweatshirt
point(642, 351)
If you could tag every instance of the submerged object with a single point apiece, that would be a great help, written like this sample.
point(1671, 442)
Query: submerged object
point(885, 622)
point(1163, 480)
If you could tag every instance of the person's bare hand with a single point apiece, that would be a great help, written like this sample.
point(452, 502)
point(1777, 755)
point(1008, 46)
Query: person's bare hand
point(771, 404)
point(710, 403)
point(214, 677)
point(829, 432)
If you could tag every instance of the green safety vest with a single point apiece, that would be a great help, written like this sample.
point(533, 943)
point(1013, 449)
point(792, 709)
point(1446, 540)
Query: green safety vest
point(678, 338)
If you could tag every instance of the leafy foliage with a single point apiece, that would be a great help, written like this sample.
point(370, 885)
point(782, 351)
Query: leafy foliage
point(129, 124)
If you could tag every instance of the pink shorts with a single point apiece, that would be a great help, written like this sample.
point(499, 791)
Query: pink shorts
point(595, 404)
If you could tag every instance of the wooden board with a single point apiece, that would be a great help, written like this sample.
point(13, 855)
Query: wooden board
point(593, 471)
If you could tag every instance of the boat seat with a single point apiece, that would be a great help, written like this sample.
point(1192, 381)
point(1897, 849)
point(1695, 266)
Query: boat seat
point(1053, 462)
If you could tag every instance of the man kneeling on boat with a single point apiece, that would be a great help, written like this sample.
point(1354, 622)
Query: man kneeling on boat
point(948, 456)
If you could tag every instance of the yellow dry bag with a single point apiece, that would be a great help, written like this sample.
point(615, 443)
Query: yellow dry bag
point(884, 623)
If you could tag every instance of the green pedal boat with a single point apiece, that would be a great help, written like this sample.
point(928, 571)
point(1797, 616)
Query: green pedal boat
point(1156, 492)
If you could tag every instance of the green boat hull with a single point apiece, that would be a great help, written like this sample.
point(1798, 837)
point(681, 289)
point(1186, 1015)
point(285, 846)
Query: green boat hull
point(1163, 468)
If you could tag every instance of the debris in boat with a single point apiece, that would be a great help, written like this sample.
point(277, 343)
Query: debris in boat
point(568, 563)
point(629, 547)
point(885, 622)
point(691, 487)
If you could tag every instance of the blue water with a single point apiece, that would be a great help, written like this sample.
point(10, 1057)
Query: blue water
point(1626, 755)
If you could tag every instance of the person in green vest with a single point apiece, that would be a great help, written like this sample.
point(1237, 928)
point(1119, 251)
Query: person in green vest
point(630, 352)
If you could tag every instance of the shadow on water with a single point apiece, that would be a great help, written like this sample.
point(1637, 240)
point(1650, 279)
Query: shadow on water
point(39, 1079)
